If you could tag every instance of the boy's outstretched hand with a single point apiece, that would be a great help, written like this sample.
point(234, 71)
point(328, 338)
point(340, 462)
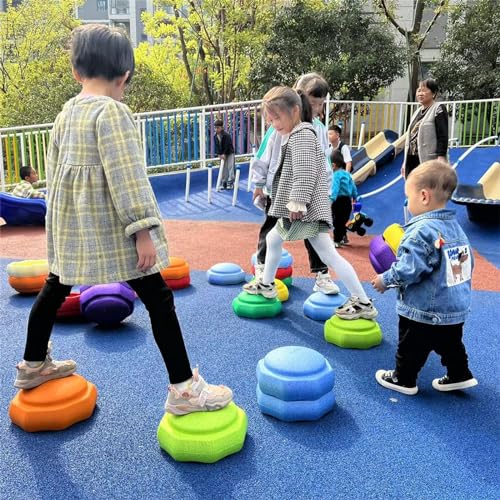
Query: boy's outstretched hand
point(378, 284)
point(146, 251)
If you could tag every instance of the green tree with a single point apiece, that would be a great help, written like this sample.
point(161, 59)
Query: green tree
point(160, 80)
point(215, 40)
point(356, 55)
point(469, 67)
point(35, 77)
point(416, 35)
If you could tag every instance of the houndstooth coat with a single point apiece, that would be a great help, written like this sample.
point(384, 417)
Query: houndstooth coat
point(302, 177)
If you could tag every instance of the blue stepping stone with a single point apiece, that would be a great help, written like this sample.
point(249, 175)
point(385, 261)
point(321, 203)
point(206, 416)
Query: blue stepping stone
point(225, 273)
point(286, 259)
point(321, 307)
point(295, 383)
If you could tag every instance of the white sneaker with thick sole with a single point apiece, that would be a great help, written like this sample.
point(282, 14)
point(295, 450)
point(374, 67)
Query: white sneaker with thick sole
point(325, 284)
point(354, 308)
point(258, 288)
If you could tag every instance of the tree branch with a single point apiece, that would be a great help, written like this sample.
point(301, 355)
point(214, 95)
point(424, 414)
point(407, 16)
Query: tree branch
point(431, 24)
point(391, 18)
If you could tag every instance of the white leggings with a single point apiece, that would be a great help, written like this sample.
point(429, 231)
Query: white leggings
point(325, 248)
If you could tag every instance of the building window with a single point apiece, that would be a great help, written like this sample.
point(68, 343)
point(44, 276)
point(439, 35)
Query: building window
point(102, 5)
point(120, 7)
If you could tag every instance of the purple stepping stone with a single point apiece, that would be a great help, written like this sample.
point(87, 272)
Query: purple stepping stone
point(381, 256)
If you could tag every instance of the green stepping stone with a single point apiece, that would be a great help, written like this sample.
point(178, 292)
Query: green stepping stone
point(287, 281)
point(203, 436)
point(256, 306)
point(355, 334)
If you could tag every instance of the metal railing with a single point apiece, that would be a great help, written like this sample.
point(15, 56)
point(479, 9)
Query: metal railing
point(176, 139)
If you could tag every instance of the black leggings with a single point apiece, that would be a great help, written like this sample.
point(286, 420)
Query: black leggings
point(341, 210)
point(315, 263)
point(152, 291)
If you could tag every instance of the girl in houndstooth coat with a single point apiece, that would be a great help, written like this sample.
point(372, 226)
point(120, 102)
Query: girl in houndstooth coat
point(300, 201)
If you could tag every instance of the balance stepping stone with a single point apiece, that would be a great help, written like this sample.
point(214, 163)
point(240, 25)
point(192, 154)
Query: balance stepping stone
point(54, 405)
point(225, 273)
point(107, 304)
point(381, 255)
point(285, 261)
point(287, 281)
point(392, 236)
point(247, 305)
point(320, 307)
point(28, 276)
point(282, 290)
point(354, 334)
point(203, 436)
point(70, 308)
point(295, 383)
point(176, 275)
point(282, 273)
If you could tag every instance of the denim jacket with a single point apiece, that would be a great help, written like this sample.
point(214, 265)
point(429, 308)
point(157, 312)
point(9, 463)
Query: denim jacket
point(433, 270)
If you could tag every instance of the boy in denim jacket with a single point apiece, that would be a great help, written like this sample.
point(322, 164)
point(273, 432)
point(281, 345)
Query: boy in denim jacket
point(433, 274)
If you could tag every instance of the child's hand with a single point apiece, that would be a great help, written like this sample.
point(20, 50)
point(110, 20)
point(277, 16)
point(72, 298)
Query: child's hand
point(378, 284)
point(146, 251)
point(257, 192)
point(296, 215)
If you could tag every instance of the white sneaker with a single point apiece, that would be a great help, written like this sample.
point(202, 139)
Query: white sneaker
point(258, 288)
point(325, 284)
point(259, 271)
point(354, 308)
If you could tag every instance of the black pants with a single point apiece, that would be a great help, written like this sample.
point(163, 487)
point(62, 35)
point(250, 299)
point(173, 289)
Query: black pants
point(315, 263)
point(412, 162)
point(152, 291)
point(341, 210)
point(417, 340)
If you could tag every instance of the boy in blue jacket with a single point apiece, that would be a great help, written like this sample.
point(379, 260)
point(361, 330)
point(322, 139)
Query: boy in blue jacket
point(433, 273)
point(342, 193)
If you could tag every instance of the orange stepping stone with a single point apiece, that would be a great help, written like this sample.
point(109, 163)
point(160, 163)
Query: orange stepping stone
point(28, 276)
point(176, 274)
point(54, 405)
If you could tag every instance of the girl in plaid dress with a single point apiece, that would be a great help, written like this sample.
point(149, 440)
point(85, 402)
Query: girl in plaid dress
point(103, 222)
point(300, 201)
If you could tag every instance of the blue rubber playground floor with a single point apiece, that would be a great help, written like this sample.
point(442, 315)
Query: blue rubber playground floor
point(375, 444)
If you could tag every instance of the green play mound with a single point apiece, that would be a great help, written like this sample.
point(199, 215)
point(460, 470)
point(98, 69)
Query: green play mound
point(355, 334)
point(256, 306)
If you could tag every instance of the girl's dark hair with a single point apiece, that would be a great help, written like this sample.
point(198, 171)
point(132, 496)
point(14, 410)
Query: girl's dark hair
point(337, 159)
point(285, 99)
point(431, 84)
point(98, 51)
point(312, 84)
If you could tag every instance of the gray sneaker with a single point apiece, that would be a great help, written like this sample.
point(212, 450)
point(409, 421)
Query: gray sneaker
point(28, 378)
point(198, 396)
point(325, 284)
point(354, 308)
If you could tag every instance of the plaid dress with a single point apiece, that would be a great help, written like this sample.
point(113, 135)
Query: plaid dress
point(99, 195)
point(301, 177)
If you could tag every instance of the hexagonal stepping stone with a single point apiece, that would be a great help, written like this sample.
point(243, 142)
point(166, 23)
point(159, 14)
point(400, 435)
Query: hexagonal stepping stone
point(381, 255)
point(27, 276)
point(393, 235)
point(295, 383)
point(320, 307)
point(54, 405)
point(107, 304)
point(225, 273)
point(203, 436)
point(354, 334)
point(285, 261)
point(178, 268)
point(70, 308)
point(287, 281)
point(255, 306)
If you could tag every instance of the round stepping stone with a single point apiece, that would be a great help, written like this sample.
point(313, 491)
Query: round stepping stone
point(354, 334)
point(255, 306)
point(320, 307)
point(282, 290)
point(285, 261)
point(225, 273)
point(287, 281)
point(203, 436)
point(178, 284)
point(54, 405)
point(281, 273)
point(295, 383)
point(178, 268)
point(27, 276)
point(381, 255)
point(107, 304)
point(392, 236)
point(70, 307)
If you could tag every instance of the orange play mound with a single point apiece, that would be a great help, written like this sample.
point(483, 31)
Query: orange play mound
point(27, 284)
point(54, 405)
point(177, 269)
